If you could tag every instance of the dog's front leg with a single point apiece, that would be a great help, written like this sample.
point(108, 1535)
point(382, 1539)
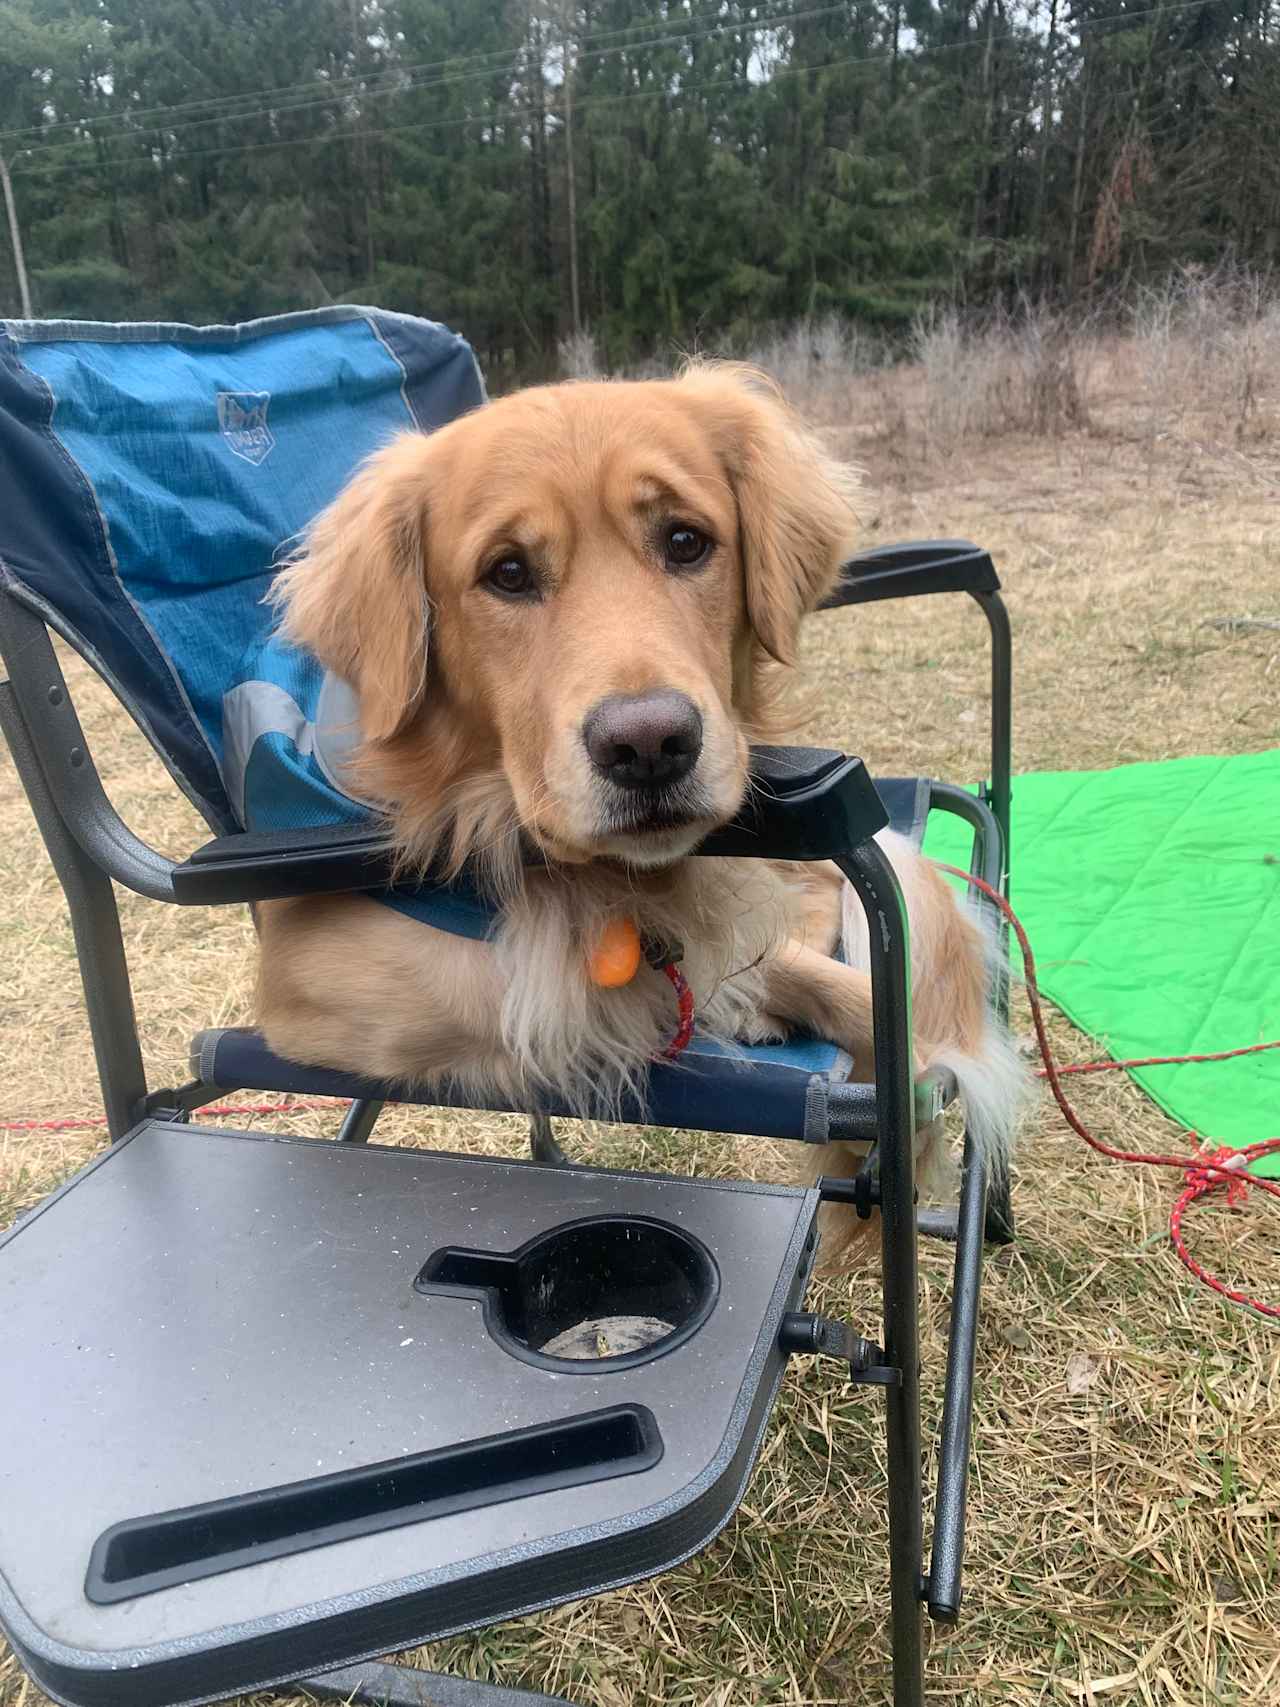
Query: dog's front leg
point(346, 982)
point(808, 989)
point(832, 1000)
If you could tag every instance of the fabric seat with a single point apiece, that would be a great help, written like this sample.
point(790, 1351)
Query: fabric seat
point(776, 1090)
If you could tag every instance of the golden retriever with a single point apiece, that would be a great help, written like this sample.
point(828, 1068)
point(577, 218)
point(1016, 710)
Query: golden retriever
point(564, 617)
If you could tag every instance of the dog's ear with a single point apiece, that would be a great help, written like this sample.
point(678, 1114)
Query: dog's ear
point(355, 594)
point(795, 502)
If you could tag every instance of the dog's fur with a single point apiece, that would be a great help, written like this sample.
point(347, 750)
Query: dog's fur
point(472, 707)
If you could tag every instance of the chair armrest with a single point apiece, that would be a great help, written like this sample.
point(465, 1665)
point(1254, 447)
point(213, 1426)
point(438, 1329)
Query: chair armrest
point(904, 571)
point(275, 865)
point(804, 804)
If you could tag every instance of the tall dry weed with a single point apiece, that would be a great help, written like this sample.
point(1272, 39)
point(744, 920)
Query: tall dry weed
point(1000, 373)
point(578, 356)
point(1194, 360)
point(1207, 351)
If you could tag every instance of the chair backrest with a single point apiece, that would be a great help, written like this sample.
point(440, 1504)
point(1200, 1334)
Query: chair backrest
point(150, 474)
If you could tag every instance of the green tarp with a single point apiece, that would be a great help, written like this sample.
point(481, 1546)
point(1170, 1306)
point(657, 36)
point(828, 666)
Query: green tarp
point(1151, 898)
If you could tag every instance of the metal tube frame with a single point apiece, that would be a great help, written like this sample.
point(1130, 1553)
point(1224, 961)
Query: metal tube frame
point(942, 1587)
point(89, 844)
point(876, 886)
point(384, 1685)
point(998, 791)
point(56, 769)
point(95, 923)
point(359, 1120)
point(985, 1212)
point(57, 743)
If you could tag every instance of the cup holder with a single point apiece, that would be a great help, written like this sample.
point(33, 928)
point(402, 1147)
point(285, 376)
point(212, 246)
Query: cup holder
point(611, 1290)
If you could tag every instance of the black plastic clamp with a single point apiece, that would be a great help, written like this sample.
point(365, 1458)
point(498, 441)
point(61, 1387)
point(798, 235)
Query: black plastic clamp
point(821, 1336)
point(862, 1191)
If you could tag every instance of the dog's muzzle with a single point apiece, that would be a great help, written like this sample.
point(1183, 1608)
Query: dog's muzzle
point(647, 742)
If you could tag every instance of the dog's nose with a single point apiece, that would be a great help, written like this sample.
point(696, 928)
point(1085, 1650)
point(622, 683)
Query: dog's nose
point(644, 740)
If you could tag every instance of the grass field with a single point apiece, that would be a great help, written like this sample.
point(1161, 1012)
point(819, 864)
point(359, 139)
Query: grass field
point(1124, 1533)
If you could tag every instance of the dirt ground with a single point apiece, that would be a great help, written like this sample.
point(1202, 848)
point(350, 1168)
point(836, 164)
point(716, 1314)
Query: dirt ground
point(1124, 1529)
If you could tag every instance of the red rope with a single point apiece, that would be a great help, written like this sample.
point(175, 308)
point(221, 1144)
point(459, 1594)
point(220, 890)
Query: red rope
point(684, 1002)
point(1205, 1172)
point(1162, 1060)
point(210, 1108)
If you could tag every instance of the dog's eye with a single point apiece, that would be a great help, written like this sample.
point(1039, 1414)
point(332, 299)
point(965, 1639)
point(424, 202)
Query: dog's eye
point(685, 546)
point(512, 577)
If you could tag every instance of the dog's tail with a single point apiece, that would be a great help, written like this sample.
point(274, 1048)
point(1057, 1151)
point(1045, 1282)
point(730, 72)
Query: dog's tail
point(994, 1088)
point(994, 1084)
point(994, 1081)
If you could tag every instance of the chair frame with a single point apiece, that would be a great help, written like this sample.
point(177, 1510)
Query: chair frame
point(89, 846)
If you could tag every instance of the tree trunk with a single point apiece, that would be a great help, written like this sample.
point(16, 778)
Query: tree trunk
point(575, 297)
point(988, 120)
point(542, 334)
point(1077, 185)
point(362, 144)
point(15, 238)
point(1046, 128)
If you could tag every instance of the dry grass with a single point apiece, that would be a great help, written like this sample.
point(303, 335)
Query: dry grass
point(1005, 374)
point(1193, 363)
point(1124, 1539)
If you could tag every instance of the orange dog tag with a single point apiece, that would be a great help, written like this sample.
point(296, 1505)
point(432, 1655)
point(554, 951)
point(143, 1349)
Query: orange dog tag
point(615, 960)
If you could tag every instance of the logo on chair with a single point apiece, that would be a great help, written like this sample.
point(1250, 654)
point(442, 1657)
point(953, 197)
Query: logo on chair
point(242, 416)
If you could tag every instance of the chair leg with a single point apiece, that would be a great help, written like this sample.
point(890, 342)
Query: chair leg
point(938, 1224)
point(403, 1686)
point(957, 1409)
point(902, 1430)
point(542, 1143)
point(359, 1120)
point(999, 1228)
point(876, 887)
point(95, 920)
point(988, 817)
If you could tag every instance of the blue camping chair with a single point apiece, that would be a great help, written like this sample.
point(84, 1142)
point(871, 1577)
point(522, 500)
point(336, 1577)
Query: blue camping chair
point(149, 475)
